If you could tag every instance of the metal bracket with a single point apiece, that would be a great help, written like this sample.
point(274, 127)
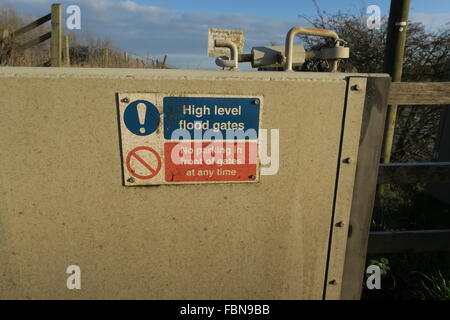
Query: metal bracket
point(223, 61)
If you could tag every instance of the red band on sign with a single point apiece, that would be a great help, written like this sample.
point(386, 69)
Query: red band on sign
point(151, 171)
point(210, 161)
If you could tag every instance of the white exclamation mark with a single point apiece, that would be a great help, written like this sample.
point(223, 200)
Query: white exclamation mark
point(142, 111)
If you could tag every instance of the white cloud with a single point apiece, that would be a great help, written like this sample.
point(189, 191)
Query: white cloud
point(431, 20)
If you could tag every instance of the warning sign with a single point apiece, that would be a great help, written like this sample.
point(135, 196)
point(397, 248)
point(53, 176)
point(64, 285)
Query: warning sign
point(141, 117)
point(210, 161)
point(146, 158)
point(189, 139)
point(236, 36)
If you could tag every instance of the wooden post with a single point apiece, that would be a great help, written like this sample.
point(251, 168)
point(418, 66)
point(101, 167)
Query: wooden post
point(126, 56)
point(66, 52)
point(4, 39)
point(4, 45)
point(56, 39)
point(5, 35)
point(106, 56)
point(375, 107)
point(163, 64)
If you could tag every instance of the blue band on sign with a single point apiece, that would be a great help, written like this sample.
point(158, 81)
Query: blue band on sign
point(141, 117)
point(226, 117)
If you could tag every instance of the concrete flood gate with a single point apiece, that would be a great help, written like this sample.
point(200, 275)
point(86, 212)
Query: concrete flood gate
point(66, 197)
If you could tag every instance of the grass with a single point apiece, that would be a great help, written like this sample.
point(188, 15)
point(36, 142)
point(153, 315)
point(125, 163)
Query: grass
point(411, 276)
point(424, 276)
point(409, 207)
point(435, 287)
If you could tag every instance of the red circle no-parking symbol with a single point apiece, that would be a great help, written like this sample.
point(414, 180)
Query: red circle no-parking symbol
point(147, 164)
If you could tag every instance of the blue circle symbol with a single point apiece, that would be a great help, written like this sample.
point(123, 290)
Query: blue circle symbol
point(141, 117)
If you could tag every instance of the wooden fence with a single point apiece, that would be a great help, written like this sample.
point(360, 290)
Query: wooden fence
point(55, 36)
point(417, 94)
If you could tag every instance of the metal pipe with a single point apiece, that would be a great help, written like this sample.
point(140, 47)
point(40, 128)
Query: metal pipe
point(222, 61)
point(395, 51)
point(245, 57)
point(289, 46)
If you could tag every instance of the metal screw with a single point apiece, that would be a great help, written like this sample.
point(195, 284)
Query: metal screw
point(252, 176)
point(256, 101)
point(347, 160)
point(332, 282)
point(339, 224)
point(356, 87)
point(131, 180)
point(350, 230)
point(125, 100)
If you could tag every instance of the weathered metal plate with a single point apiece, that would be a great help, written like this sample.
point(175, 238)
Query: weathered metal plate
point(189, 139)
point(62, 203)
point(236, 36)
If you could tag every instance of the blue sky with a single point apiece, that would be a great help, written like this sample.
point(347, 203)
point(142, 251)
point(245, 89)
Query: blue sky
point(288, 8)
point(178, 28)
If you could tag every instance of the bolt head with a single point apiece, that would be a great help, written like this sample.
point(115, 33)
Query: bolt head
point(347, 160)
point(356, 87)
point(125, 100)
point(130, 180)
point(256, 101)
